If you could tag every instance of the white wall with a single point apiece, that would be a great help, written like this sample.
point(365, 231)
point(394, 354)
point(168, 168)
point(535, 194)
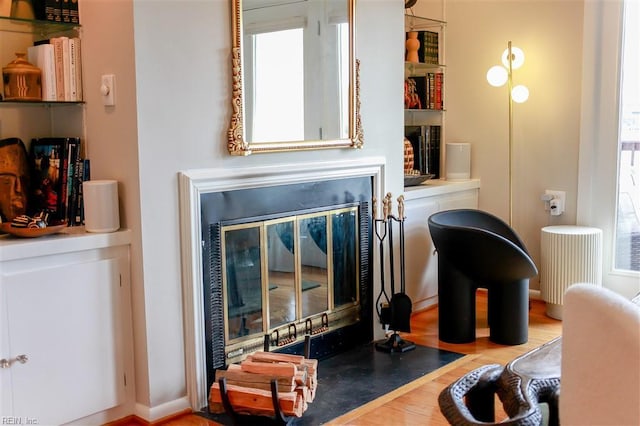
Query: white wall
point(111, 135)
point(546, 129)
point(173, 108)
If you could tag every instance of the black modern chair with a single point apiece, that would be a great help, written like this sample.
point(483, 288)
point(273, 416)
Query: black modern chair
point(479, 250)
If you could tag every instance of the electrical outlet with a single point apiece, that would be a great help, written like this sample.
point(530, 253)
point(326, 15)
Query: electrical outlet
point(557, 202)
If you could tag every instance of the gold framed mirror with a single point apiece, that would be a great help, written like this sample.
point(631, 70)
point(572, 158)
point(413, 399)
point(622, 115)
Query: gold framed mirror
point(295, 78)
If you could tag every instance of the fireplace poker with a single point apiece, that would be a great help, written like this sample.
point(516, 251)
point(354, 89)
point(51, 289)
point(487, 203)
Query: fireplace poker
point(401, 218)
point(401, 311)
point(389, 216)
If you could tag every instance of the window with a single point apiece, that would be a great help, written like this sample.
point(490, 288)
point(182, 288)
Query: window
point(627, 256)
point(278, 77)
point(599, 186)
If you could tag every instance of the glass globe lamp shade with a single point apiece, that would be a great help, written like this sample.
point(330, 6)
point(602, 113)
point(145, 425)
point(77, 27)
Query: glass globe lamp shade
point(520, 94)
point(497, 76)
point(517, 57)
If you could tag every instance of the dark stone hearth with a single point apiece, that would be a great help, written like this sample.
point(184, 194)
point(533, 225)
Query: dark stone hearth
point(359, 375)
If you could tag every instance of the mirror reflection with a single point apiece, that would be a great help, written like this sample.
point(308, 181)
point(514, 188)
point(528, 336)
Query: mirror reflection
point(296, 70)
point(294, 75)
point(345, 257)
point(281, 273)
point(243, 291)
point(313, 261)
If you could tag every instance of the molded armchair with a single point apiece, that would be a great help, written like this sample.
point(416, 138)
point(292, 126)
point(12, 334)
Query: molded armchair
point(479, 250)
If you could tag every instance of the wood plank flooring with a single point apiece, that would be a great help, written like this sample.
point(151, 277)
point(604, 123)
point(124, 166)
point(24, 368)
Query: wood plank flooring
point(417, 403)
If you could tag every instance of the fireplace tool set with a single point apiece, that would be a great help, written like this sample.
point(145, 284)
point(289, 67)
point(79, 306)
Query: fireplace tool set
point(394, 312)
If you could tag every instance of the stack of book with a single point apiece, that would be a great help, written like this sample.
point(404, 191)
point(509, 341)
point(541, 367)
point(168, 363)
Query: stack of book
point(58, 172)
point(429, 90)
point(60, 61)
point(64, 11)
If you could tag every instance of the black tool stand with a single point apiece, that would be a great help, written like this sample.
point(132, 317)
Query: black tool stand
point(395, 343)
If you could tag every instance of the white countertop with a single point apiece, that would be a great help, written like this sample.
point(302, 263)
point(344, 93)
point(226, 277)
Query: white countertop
point(68, 240)
point(439, 187)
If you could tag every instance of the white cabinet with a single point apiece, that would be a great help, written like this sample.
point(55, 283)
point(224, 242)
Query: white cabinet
point(65, 331)
point(421, 263)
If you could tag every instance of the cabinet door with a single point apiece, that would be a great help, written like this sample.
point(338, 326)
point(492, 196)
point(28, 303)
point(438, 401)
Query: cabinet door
point(421, 261)
point(420, 265)
point(66, 320)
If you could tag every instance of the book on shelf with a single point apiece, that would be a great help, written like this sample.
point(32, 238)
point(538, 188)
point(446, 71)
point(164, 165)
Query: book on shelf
point(43, 57)
point(47, 156)
point(78, 75)
point(439, 90)
point(73, 155)
point(56, 177)
point(67, 55)
point(83, 175)
point(433, 146)
point(59, 66)
point(424, 92)
point(425, 141)
point(75, 67)
point(431, 91)
point(64, 11)
point(52, 10)
point(74, 14)
point(430, 48)
point(66, 67)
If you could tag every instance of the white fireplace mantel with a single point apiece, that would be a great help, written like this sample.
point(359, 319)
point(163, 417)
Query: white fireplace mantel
point(194, 183)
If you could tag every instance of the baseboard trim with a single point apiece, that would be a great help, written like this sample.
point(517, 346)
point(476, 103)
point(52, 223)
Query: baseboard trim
point(162, 412)
point(535, 294)
point(424, 304)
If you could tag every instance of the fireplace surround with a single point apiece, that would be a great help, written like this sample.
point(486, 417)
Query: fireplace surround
point(220, 207)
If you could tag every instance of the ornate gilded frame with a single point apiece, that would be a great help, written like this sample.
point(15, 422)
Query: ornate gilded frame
point(236, 143)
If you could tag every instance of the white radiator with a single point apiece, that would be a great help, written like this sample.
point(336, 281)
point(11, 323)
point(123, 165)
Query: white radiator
point(570, 254)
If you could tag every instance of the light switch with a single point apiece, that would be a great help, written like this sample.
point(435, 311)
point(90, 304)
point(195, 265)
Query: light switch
point(108, 90)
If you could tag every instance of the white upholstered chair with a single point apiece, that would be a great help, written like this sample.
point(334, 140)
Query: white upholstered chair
point(600, 375)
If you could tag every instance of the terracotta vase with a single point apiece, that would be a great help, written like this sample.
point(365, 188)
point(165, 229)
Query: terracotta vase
point(412, 44)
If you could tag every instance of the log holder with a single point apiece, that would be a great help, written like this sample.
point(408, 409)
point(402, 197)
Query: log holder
point(278, 419)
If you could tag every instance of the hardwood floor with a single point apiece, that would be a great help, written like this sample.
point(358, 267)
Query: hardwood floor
point(420, 405)
point(417, 403)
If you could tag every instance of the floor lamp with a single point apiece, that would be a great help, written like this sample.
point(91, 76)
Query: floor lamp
point(497, 76)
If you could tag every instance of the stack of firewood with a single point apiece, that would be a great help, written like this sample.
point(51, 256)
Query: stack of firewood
point(248, 384)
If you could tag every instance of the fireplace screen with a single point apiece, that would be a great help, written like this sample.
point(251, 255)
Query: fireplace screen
point(285, 261)
point(291, 274)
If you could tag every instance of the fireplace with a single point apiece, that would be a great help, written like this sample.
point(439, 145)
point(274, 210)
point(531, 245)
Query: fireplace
point(272, 255)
